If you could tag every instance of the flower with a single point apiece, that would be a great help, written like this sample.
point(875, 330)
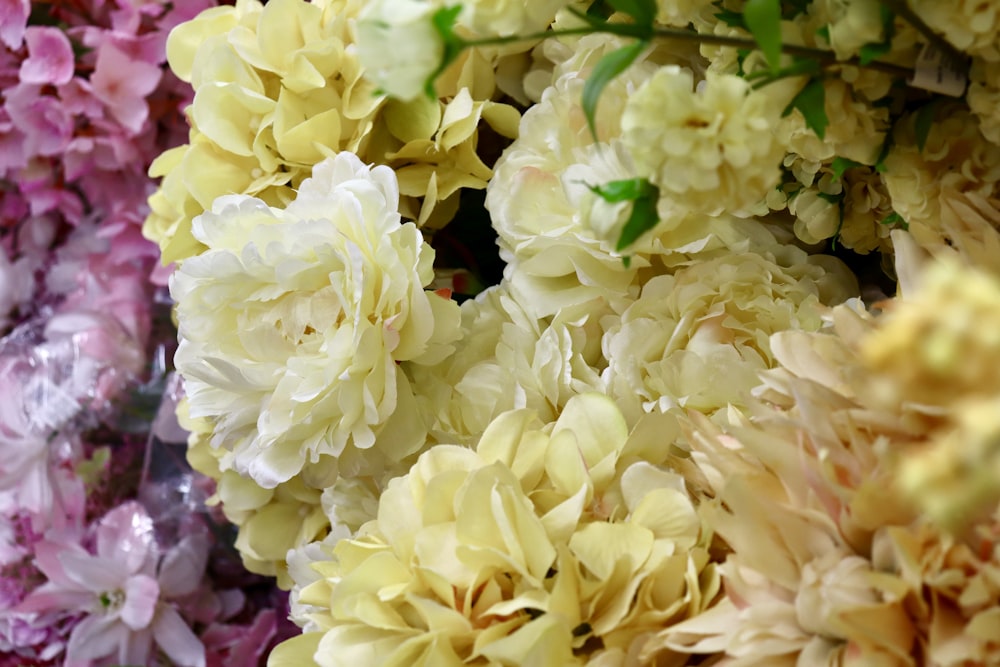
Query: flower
point(121, 591)
point(545, 544)
point(50, 57)
point(399, 45)
point(699, 338)
point(293, 320)
point(713, 149)
point(507, 358)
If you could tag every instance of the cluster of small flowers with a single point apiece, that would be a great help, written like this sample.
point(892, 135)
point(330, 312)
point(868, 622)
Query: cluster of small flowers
point(87, 104)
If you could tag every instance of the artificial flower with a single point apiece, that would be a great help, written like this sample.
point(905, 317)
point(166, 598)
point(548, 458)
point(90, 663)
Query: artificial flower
point(712, 149)
point(546, 544)
point(698, 338)
point(399, 45)
point(305, 312)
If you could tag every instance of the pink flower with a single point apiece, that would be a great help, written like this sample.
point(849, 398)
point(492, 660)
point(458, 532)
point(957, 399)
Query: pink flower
point(50, 57)
point(13, 19)
point(237, 645)
point(123, 85)
point(120, 592)
point(42, 119)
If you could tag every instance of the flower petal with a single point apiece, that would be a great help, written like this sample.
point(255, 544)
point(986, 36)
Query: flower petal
point(141, 594)
point(176, 639)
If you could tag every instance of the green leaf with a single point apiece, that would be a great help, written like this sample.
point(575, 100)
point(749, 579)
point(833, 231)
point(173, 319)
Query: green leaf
point(644, 197)
point(823, 32)
point(869, 52)
point(811, 101)
point(842, 164)
point(763, 19)
point(892, 219)
point(606, 69)
point(444, 22)
point(642, 11)
point(628, 189)
point(729, 17)
point(923, 120)
point(642, 218)
point(600, 9)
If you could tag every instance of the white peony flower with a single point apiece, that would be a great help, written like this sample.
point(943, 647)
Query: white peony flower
point(291, 324)
point(398, 45)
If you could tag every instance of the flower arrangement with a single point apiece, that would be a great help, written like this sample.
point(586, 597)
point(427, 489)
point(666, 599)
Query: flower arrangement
point(606, 332)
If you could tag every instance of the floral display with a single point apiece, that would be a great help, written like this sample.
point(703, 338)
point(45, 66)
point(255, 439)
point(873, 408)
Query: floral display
point(524, 332)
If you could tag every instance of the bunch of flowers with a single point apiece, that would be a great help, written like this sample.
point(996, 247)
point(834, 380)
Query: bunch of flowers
point(106, 554)
point(723, 395)
point(687, 422)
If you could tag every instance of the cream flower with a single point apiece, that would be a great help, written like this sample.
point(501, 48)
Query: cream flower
point(712, 149)
point(280, 87)
point(956, 163)
point(558, 237)
point(973, 27)
point(292, 322)
point(545, 546)
point(507, 358)
point(399, 45)
point(699, 338)
point(983, 97)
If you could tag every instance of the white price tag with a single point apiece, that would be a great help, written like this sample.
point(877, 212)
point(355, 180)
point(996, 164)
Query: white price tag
point(938, 72)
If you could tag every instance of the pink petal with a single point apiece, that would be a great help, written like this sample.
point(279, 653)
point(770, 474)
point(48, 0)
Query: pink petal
point(183, 566)
point(96, 637)
point(13, 19)
point(91, 572)
point(48, 597)
point(136, 648)
point(123, 84)
point(141, 594)
point(177, 640)
point(125, 537)
point(50, 56)
point(47, 559)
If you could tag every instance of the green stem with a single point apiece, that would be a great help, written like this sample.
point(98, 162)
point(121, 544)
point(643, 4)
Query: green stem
point(630, 30)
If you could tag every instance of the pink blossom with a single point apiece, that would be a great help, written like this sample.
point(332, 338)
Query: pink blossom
point(42, 119)
point(123, 85)
point(50, 57)
point(237, 645)
point(13, 19)
point(120, 592)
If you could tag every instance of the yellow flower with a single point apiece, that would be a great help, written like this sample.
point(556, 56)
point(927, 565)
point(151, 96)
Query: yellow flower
point(699, 338)
point(505, 359)
point(713, 149)
point(280, 87)
point(546, 546)
point(292, 322)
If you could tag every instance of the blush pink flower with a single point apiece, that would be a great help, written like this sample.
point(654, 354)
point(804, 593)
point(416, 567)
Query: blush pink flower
point(123, 85)
point(50, 57)
point(121, 591)
point(13, 19)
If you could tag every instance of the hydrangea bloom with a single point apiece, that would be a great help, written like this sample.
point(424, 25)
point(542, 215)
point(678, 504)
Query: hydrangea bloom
point(293, 320)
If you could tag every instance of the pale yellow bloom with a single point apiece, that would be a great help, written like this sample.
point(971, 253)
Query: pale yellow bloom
point(292, 322)
point(507, 358)
point(698, 338)
point(713, 149)
point(280, 87)
point(545, 546)
point(971, 26)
